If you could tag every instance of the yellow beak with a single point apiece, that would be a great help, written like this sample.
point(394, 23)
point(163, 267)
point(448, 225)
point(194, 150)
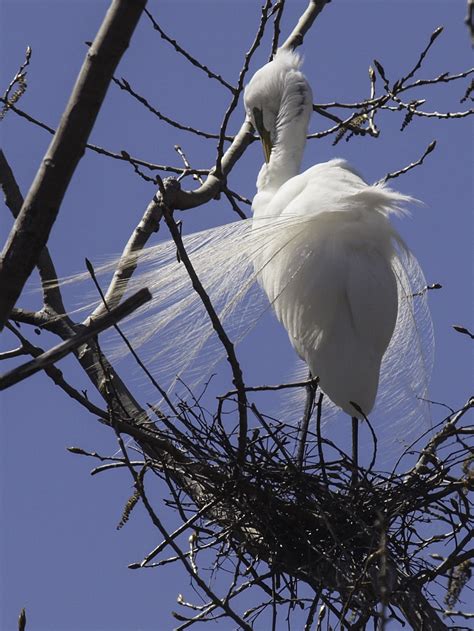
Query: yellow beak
point(263, 133)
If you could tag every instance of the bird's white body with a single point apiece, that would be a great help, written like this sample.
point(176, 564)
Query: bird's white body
point(332, 285)
point(329, 270)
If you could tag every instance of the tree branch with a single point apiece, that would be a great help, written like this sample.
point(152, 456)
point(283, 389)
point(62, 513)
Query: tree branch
point(40, 209)
point(84, 335)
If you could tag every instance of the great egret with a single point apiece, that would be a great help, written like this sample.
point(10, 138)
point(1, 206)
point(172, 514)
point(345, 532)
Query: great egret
point(339, 277)
point(332, 278)
point(333, 288)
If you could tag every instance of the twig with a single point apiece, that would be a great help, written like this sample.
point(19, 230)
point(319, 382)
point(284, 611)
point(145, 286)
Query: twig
point(221, 603)
point(240, 84)
point(412, 165)
point(122, 156)
point(123, 84)
point(463, 330)
point(371, 114)
point(282, 386)
point(19, 79)
point(427, 288)
point(278, 9)
point(148, 224)
point(14, 201)
point(61, 350)
point(188, 168)
point(274, 435)
point(195, 62)
point(16, 352)
point(219, 329)
point(446, 431)
point(239, 197)
point(156, 180)
point(187, 524)
point(434, 36)
point(233, 203)
point(22, 620)
point(57, 376)
point(311, 613)
point(134, 354)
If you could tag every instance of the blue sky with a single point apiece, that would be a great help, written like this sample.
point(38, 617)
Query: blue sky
point(60, 555)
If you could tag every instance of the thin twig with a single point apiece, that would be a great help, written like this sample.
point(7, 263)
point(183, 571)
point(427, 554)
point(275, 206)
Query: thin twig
point(190, 570)
point(18, 79)
point(57, 376)
point(121, 156)
point(14, 201)
point(240, 85)
point(187, 524)
point(412, 165)
point(123, 84)
point(64, 348)
point(278, 9)
point(195, 62)
point(222, 335)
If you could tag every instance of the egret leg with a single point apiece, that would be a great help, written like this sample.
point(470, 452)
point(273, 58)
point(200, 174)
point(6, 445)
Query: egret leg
point(303, 429)
point(319, 440)
point(355, 450)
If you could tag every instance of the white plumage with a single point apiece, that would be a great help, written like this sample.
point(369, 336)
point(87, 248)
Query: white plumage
point(330, 276)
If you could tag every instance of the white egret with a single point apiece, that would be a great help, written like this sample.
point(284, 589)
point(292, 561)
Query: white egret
point(337, 274)
point(332, 276)
point(333, 287)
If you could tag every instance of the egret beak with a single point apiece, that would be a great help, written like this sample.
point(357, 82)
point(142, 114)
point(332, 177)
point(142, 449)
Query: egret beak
point(263, 133)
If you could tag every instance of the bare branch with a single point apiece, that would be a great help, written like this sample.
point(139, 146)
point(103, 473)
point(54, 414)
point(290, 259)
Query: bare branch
point(305, 22)
point(240, 85)
point(123, 84)
point(14, 201)
point(20, 80)
point(447, 430)
point(412, 165)
point(57, 376)
point(229, 347)
point(278, 9)
point(110, 154)
point(32, 227)
point(86, 333)
point(434, 36)
point(188, 56)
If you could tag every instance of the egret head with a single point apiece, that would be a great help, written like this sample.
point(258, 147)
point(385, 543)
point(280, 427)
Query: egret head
point(276, 94)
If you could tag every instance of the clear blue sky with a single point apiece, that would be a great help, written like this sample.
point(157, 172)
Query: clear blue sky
point(60, 555)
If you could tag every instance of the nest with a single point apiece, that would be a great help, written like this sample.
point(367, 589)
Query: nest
point(279, 520)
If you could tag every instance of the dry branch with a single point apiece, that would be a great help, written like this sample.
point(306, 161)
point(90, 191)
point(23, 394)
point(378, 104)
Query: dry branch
point(41, 206)
point(56, 353)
